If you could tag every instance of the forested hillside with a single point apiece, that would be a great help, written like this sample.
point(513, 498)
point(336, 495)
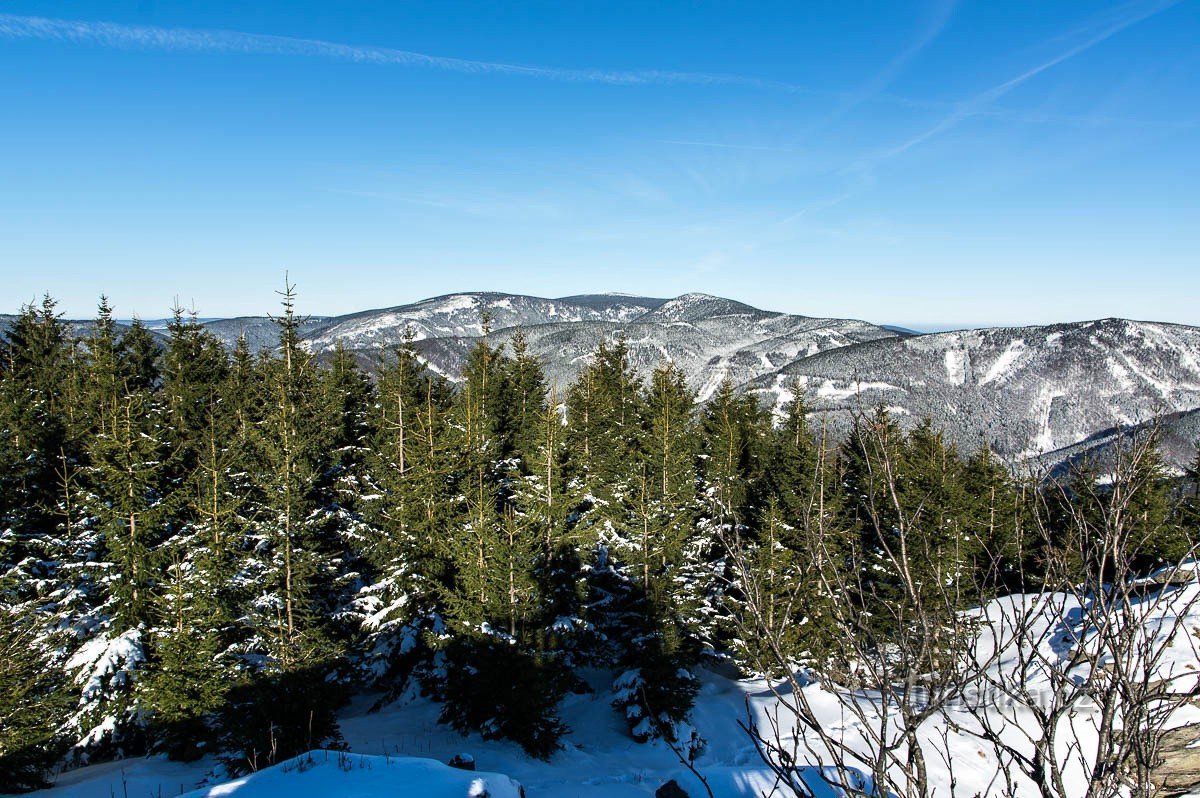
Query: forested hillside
point(205, 550)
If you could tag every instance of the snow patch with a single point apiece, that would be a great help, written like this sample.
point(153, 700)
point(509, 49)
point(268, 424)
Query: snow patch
point(830, 390)
point(956, 366)
point(1005, 362)
point(321, 773)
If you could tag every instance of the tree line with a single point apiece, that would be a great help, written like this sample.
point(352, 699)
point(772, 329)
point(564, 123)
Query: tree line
point(206, 550)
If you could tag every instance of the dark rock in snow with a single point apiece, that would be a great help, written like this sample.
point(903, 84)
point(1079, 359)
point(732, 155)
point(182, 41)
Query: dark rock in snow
point(462, 762)
point(670, 790)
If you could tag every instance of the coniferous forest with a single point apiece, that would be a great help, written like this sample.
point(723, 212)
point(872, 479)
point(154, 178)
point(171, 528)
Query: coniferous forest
point(209, 551)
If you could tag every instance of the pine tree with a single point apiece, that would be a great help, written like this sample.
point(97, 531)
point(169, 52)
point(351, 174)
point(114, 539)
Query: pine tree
point(493, 600)
point(194, 610)
point(408, 511)
point(794, 550)
point(287, 644)
point(33, 702)
point(994, 514)
point(129, 501)
point(39, 472)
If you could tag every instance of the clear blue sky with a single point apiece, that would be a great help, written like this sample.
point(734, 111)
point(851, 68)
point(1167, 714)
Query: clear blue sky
point(927, 162)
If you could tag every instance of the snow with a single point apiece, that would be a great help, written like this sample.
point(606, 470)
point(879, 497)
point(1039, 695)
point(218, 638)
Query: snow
point(830, 390)
point(347, 775)
point(101, 658)
point(137, 778)
point(956, 366)
point(399, 750)
point(1005, 362)
point(450, 304)
point(1163, 385)
point(101, 666)
point(1042, 410)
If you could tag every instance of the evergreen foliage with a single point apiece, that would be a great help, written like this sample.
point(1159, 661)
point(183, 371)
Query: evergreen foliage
point(32, 703)
point(206, 549)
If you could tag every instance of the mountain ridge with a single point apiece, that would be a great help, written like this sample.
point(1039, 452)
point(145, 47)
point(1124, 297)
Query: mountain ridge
point(1033, 393)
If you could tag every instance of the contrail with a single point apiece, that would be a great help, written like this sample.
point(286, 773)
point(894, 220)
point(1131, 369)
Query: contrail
point(147, 37)
point(1127, 16)
point(1107, 25)
point(881, 80)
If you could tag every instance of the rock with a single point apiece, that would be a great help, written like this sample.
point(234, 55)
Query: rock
point(670, 790)
point(1185, 573)
point(462, 762)
point(1178, 770)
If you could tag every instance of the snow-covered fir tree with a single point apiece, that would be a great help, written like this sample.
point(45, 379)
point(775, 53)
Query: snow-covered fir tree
point(205, 549)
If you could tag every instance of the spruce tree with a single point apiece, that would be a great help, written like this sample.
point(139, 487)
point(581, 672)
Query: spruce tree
point(936, 524)
point(795, 549)
point(345, 396)
point(1132, 499)
point(540, 499)
point(994, 513)
point(408, 510)
point(290, 446)
point(520, 402)
point(285, 704)
point(33, 703)
point(39, 473)
point(129, 501)
point(736, 433)
point(494, 672)
point(870, 465)
point(194, 611)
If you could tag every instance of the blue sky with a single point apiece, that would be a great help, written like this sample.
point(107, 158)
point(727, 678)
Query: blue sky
point(930, 163)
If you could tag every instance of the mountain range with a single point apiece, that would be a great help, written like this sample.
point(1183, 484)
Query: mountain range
point(1040, 395)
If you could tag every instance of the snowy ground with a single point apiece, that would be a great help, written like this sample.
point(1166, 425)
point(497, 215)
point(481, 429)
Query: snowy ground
point(598, 758)
point(399, 750)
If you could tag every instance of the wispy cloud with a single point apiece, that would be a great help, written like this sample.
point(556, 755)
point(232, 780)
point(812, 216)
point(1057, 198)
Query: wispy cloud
point(1096, 31)
point(147, 37)
point(938, 19)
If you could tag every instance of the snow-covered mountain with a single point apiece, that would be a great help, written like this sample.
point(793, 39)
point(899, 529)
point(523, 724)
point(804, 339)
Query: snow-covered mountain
point(462, 315)
point(1026, 392)
point(1178, 434)
point(1047, 393)
point(710, 338)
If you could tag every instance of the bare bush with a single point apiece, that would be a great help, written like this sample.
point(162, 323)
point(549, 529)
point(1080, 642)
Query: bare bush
point(1063, 691)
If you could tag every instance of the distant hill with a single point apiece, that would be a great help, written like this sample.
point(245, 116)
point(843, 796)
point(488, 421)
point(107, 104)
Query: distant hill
point(1036, 395)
